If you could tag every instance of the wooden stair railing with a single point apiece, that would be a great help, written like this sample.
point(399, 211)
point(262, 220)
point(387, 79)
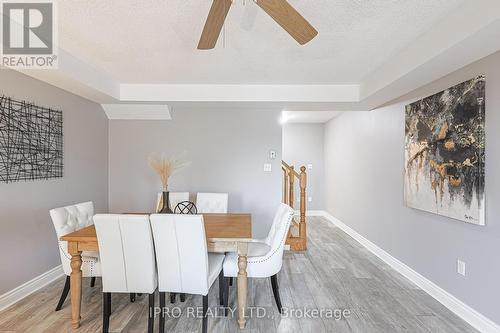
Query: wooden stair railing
point(297, 237)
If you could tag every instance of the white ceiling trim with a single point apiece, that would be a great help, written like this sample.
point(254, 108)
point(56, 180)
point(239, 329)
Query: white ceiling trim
point(137, 112)
point(239, 93)
point(464, 36)
point(306, 117)
point(80, 78)
point(473, 49)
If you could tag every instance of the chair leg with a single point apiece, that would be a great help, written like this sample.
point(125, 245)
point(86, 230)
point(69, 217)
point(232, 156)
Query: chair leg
point(162, 313)
point(205, 318)
point(182, 297)
point(226, 295)
point(151, 313)
point(172, 298)
point(106, 311)
point(276, 292)
point(221, 288)
point(92, 282)
point(64, 294)
point(132, 297)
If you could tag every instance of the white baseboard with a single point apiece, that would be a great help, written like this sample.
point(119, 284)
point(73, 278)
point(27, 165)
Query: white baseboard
point(471, 316)
point(30, 287)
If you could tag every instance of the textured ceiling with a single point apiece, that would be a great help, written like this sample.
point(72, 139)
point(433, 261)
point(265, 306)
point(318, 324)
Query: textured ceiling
point(147, 41)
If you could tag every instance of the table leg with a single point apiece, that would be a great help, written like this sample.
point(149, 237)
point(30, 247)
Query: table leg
point(75, 283)
point(242, 283)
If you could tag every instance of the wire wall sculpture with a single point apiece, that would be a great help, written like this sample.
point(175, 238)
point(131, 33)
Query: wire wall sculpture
point(31, 141)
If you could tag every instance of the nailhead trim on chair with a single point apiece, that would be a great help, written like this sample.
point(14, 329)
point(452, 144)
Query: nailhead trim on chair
point(91, 262)
point(66, 254)
point(281, 244)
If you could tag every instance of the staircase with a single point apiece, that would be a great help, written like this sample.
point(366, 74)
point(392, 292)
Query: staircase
point(297, 238)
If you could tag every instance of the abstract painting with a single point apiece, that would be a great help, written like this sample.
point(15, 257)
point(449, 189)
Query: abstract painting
point(445, 152)
point(31, 141)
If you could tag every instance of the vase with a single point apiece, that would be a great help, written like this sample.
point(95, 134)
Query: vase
point(166, 204)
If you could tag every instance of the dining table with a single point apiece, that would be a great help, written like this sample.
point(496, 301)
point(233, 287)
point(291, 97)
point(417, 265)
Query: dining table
point(224, 232)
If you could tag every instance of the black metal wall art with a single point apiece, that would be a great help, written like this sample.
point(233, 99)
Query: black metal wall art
point(31, 141)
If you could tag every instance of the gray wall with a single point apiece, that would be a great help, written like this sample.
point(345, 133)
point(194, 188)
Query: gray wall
point(303, 145)
point(227, 149)
point(364, 154)
point(28, 244)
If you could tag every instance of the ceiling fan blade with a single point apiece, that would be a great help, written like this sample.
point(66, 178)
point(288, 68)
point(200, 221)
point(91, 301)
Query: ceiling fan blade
point(289, 19)
point(214, 23)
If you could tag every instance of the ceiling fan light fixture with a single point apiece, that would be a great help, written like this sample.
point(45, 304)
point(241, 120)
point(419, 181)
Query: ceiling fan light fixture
point(279, 10)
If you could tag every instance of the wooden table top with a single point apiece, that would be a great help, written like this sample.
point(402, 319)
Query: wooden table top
point(225, 226)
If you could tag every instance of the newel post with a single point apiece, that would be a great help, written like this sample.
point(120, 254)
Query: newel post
point(303, 185)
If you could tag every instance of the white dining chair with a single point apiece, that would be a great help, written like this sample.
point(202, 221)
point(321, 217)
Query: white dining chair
point(66, 220)
point(184, 265)
point(211, 202)
point(127, 259)
point(265, 256)
point(174, 198)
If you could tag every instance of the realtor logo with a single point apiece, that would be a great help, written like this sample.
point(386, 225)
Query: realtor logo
point(28, 34)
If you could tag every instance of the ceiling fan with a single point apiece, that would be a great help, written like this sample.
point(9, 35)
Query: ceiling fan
point(280, 10)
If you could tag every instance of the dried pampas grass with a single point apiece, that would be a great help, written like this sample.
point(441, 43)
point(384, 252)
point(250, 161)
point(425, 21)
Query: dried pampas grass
point(165, 166)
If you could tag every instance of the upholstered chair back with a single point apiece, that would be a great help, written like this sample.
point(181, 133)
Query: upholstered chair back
point(181, 253)
point(211, 202)
point(265, 257)
point(66, 220)
point(127, 253)
point(174, 198)
point(277, 235)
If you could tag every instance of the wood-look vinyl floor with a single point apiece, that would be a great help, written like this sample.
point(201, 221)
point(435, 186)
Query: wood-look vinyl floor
point(335, 274)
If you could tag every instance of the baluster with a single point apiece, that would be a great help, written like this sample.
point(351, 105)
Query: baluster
point(285, 186)
point(291, 179)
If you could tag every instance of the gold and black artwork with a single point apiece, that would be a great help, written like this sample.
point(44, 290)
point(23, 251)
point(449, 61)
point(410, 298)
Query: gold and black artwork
point(445, 152)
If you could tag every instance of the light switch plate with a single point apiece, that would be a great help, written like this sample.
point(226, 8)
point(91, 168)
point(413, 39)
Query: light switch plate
point(272, 154)
point(310, 166)
point(268, 167)
point(460, 267)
